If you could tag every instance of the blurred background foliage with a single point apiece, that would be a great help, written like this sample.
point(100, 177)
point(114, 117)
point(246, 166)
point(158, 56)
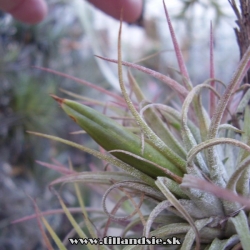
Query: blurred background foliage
point(61, 43)
point(25, 104)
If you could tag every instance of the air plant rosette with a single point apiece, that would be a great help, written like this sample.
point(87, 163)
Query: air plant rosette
point(194, 163)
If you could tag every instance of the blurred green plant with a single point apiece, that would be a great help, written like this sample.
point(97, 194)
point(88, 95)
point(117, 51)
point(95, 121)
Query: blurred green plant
point(21, 47)
point(25, 105)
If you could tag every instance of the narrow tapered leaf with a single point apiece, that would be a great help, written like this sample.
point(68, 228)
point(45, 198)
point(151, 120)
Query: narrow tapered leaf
point(53, 234)
point(112, 136)
point(155, 122)
point(213, 142)
point(84, 211)
point(125, 167)
point(97, 177)
point(91, 85)
point(224, 244)
point(178, 53)
point(212, 100)
point(167, 80)
point(240, 222)
point(193, 182)
point(74, 223)
point(190, 236)
point(173, 200)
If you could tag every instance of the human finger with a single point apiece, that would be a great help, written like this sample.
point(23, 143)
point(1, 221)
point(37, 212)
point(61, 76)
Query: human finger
point(28, 11)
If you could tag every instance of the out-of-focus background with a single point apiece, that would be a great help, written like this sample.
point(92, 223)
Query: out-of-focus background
point(66, 41)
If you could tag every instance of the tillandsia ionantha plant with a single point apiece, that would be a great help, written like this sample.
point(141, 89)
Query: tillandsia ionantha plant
point(190, 165)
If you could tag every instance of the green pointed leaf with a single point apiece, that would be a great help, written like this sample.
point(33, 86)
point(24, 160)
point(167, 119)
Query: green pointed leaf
point(112, 136)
